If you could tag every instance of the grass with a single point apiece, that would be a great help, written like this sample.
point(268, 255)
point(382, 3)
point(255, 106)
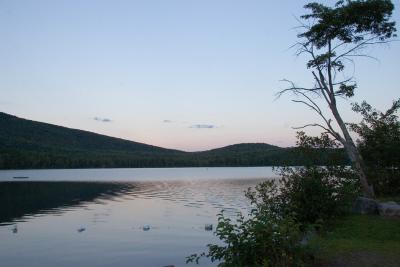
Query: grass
point(360, 233)
point(386, 199)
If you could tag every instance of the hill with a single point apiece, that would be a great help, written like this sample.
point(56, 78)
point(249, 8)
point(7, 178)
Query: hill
point(30, 144)
point(251, 154)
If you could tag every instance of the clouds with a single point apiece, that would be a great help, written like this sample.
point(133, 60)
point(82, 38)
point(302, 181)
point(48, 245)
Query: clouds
point(102, 119)
point(193, 126)
point(203, 126)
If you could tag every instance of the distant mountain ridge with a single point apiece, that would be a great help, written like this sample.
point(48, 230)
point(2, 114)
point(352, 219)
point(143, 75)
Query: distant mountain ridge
point(30, 144)
point(36, 133)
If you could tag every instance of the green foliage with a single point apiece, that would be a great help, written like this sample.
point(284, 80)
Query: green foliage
point(317, 195)
point(314, 148)
point(263, 239)
point(349, 22)
point(310, 194)
point(346, 90)
point(335, 35)
point(379, 134)
point(379, 145)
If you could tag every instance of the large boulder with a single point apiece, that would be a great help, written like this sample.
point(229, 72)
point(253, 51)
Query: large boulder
point(389, 209)
point(364, 205)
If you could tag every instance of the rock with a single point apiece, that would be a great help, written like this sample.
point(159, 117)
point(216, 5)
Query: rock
point(208, 227)
point(80, 230)
point(364, 205)
point(146, 227)
point(389, 209)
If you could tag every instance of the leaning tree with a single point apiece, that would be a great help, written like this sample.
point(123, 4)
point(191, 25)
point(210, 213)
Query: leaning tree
point(332, 37)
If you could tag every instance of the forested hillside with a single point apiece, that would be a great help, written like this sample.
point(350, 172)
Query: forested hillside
point(30, 144)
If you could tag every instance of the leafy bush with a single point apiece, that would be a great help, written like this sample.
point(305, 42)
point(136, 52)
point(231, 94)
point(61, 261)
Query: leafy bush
point(317, 195)
point(379, 143)
point(263, 239)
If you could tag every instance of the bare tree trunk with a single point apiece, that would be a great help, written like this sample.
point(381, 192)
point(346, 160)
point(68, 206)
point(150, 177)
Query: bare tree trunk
point(325, 86)
point(353, 153)
point(359, 165)
point(347, 141)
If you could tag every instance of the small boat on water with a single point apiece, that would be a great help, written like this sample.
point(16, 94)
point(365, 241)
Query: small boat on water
point(20, 177)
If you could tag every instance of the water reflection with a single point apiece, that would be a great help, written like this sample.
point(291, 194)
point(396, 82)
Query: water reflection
point(113, 223)
point(19, 199)
point(22, 199)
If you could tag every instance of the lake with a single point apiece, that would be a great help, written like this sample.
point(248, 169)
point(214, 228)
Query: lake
point(117, 217)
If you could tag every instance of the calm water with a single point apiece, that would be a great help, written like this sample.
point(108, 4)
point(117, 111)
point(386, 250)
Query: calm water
point(98, 217)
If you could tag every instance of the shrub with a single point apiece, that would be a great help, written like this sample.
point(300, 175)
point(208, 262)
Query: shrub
point(262, 239)
point(379, 144)
point(317, 195)
point(386, 181)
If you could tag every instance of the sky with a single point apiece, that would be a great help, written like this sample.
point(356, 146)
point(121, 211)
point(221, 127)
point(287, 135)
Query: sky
point(183, 74)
